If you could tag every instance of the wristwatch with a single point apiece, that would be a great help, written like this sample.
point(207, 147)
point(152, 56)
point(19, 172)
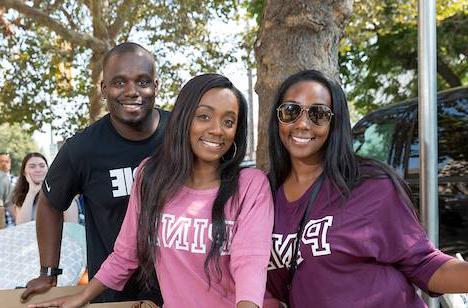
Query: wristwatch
point(50, 271)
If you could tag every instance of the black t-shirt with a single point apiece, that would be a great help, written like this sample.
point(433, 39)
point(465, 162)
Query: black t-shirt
point(99, 164)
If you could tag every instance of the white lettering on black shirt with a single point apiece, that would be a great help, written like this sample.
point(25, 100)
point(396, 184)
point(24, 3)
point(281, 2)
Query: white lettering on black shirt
point(122, 181)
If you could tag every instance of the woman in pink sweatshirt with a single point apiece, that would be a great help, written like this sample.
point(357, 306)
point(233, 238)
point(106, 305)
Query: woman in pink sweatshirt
point(196, 220)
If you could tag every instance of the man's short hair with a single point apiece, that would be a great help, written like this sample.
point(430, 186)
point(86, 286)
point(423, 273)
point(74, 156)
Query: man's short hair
point(126, 47)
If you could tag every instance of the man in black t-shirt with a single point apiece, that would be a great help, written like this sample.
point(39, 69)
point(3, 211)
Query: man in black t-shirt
point(99, 163)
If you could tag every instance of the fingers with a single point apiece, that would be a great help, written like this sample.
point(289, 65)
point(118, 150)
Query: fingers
point(36, 286)
point(53, 303)
point(28, 178)
point(26, 294)
point(31, 291)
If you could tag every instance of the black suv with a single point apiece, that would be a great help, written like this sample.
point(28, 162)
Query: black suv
point(390, 134)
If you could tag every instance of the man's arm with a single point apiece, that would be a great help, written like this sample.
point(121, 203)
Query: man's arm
point(49, 224)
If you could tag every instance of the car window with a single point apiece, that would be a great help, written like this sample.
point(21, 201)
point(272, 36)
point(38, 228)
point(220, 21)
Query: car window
point(452, 121)
point(385, 135)
point(375, 141)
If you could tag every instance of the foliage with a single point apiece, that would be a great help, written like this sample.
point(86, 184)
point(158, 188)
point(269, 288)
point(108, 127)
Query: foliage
point(17, 142)
point(255, 9)
point(46, 73)
point(379, 56)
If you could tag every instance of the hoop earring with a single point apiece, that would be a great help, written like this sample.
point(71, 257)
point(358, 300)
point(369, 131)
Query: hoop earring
point(233, 155)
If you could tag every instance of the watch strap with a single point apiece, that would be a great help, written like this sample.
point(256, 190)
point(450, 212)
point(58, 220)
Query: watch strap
point(50, 271)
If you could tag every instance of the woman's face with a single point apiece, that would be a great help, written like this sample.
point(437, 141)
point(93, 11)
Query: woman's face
point(214, 125)
point(302, 138)
point(36, 168)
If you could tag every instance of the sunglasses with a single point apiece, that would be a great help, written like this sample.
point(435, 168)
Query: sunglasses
point(290, 112)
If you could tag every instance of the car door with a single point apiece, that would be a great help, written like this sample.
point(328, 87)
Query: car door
point(453, 171)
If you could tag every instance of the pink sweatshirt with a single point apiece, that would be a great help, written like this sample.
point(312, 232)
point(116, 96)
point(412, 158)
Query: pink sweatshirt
point(184, 241)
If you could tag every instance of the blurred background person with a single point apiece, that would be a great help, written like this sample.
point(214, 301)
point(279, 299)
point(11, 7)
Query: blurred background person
point(6, 186)
point(5, 166)
point(25, 193)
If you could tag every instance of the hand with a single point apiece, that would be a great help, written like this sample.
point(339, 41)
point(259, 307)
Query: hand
point(145, 303)
point(33, 186)
point(38, 285)
point(71, 301)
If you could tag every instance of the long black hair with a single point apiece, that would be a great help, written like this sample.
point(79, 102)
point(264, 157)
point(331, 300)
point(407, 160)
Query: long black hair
point(172, 164)
point(341, 165)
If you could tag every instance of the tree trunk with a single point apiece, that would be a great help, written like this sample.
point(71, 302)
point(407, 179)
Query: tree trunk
point(295, 35)
point(96, 106)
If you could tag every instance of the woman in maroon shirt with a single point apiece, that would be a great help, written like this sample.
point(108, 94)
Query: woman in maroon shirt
point(360, 242)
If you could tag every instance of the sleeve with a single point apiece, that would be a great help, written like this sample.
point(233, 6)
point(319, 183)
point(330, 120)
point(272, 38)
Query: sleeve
point(250, 250)
point(61, 183)
point(123, 261)
point(399, 239)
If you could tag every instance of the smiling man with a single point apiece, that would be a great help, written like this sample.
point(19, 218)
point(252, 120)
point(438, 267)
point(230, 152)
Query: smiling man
point(99, 163)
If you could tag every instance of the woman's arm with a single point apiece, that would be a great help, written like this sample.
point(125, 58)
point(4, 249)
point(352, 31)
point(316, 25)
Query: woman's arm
point(452, 277)
point(251, 244)
point(71, 214)
point(93, 289)
point(25, 212)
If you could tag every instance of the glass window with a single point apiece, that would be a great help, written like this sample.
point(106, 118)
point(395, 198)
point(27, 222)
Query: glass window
point(452, 118)
point(375, 142)
point(384, 135)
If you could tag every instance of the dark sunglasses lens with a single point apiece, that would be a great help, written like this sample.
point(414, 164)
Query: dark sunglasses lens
point(288, 113)
point(320, 115)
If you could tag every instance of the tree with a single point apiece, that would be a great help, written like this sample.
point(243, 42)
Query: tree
point(17, 142)
point(294, 35)
point(379, 54)
point(52, 49)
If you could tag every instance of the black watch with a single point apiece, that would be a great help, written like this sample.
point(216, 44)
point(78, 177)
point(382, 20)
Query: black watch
point(50, 271)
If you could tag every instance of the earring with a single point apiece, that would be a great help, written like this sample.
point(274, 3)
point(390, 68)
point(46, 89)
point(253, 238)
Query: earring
point(233, 155)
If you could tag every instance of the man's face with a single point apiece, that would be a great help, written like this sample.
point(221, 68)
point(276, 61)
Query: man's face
point(5, 163)
point(130, 87)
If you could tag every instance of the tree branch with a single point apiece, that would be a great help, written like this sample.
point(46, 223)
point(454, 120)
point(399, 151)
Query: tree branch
point(69, 18)
point(86, 3)
point(123, 13)
point(131, 23)
point(54, 6)
point(6, 24)
point(99, 26)
point(45, 20)
point(447, 73)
